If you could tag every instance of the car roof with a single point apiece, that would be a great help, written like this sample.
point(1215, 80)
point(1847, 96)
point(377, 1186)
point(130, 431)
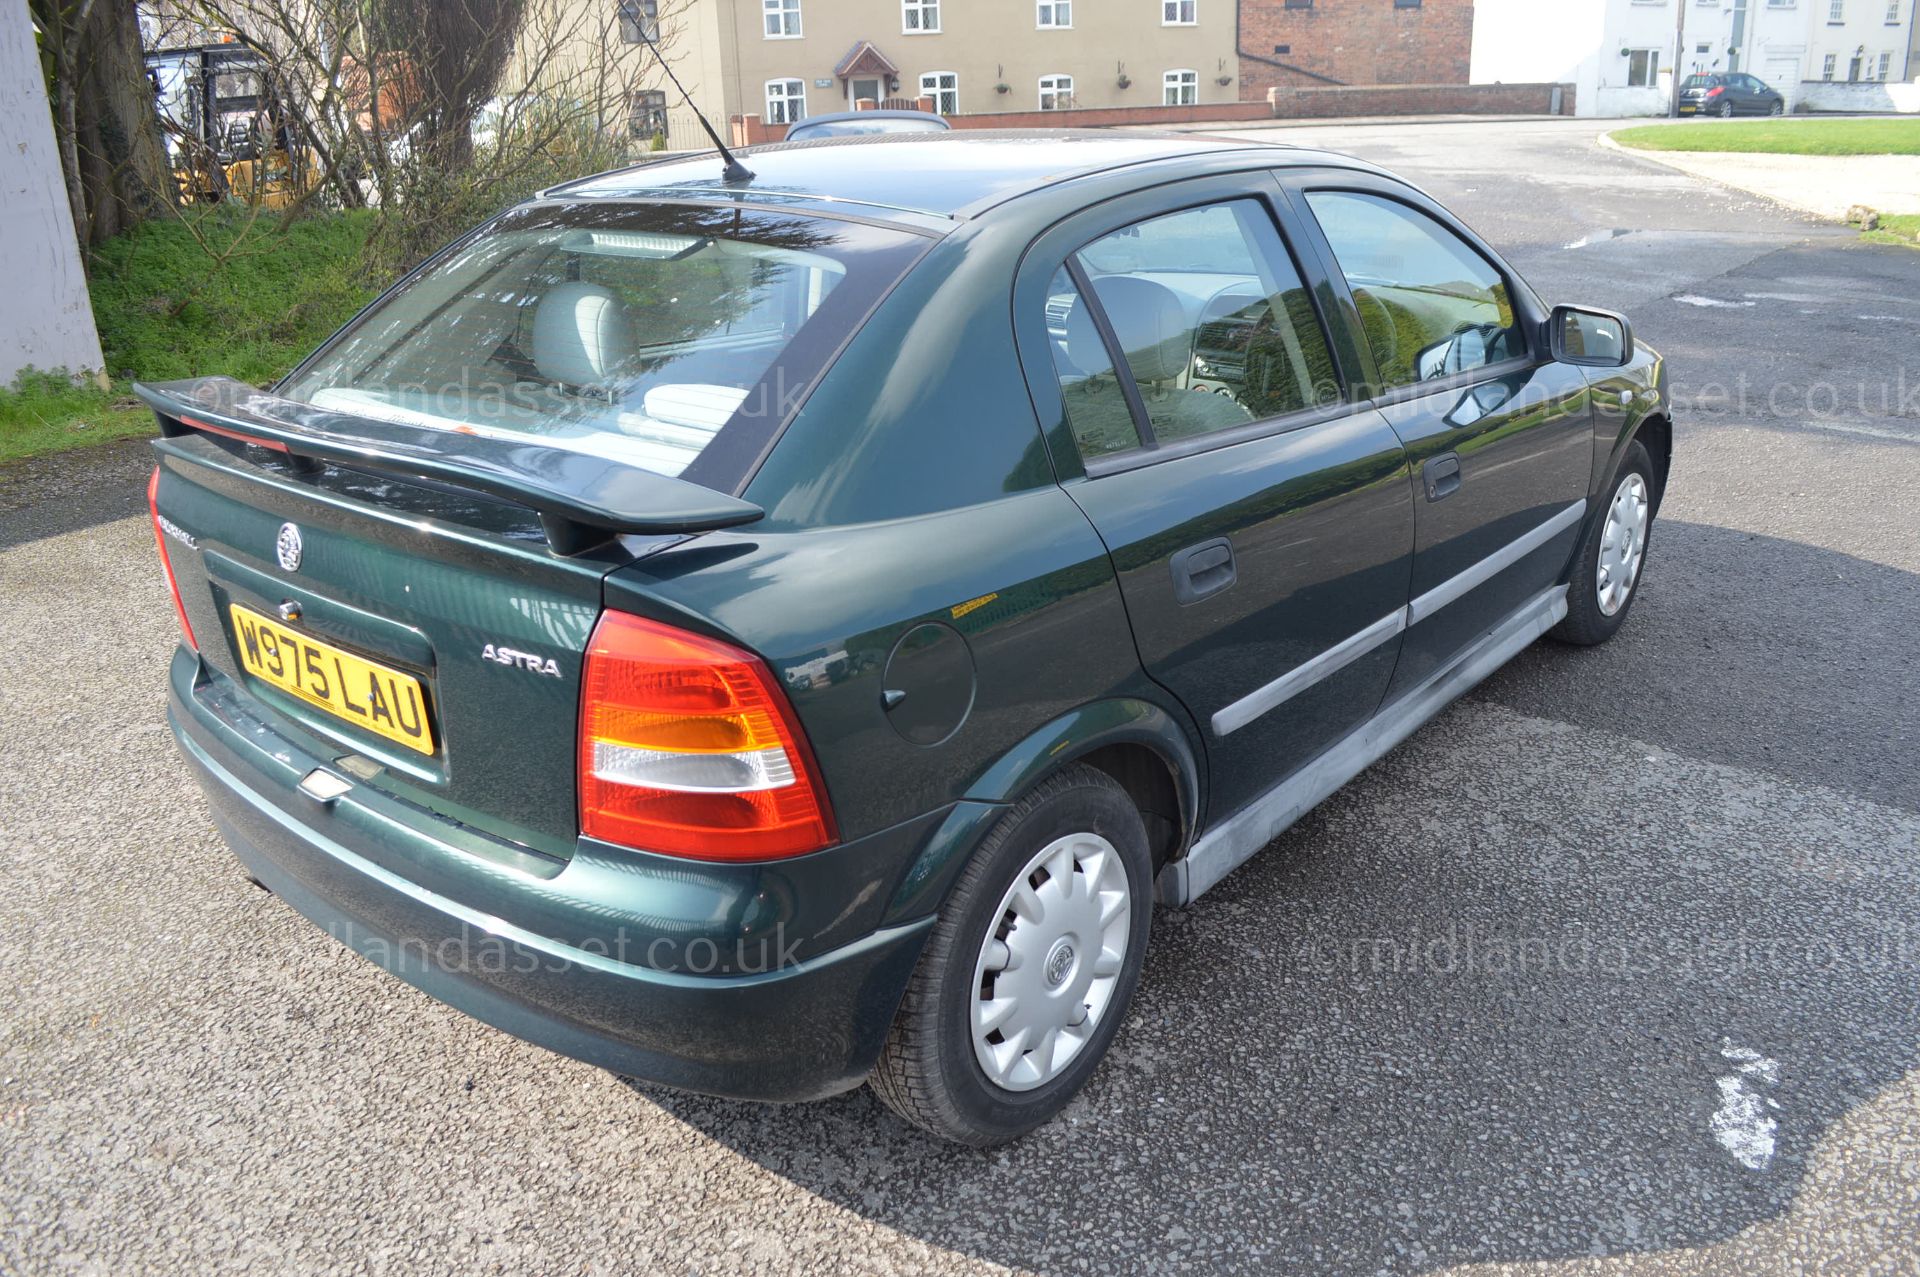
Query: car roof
point(835, 117)
point(953, 175)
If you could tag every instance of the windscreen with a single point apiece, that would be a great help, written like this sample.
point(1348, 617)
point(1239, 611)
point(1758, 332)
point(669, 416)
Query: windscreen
point(650, 334)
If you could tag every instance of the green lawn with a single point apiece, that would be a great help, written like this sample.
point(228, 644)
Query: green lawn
point(220, 294)
point(1896, 228)
point(1780, 137)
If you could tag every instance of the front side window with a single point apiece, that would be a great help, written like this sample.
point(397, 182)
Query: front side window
point(631, 332)
point(1178, 13)
point(944, 88)
point(1180, 88)
point(1430, 305)
point(782, 18)
point(1054, 14)
point(919, 16)
point(1056, 92)
point(1643, 68)
point(786, 101)
point(1214, 327)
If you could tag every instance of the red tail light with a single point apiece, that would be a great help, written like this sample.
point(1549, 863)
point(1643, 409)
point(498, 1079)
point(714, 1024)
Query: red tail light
point(1716, 91)
point(166, 563)
point(689, 747)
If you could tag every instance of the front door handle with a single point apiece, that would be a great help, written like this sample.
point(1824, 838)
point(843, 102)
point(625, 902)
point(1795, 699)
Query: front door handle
point(1201, 570)
point(1441, 475)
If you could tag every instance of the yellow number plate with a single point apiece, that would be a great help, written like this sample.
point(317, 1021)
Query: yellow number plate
point(383, 701)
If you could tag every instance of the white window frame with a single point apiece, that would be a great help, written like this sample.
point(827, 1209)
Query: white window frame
point(1180, 87)
point(926, 13)
point(1893, 13)
point(1179, 13)
point(1836, 12)
point(776, 16)
point(930, 88)
point(1652, 60)
point(1886, 67)
point(1830, 67)
point(1053, 15)
point(793, 92)
point(1052, 89)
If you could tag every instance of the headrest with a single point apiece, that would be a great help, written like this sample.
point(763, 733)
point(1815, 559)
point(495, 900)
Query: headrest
point(580, 334)
point(1150, 323)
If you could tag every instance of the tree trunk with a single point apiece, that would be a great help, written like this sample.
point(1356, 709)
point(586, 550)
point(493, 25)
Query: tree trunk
point(104, 119)
point(123, 158)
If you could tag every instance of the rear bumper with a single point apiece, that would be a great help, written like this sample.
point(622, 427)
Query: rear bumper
point(773, 1027)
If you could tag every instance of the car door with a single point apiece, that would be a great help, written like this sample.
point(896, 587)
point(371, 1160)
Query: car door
point(1498, 436)
point(1259, 521)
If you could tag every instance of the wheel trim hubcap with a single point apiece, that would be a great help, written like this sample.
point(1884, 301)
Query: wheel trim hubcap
point(1623, 544)
point(1048, 968)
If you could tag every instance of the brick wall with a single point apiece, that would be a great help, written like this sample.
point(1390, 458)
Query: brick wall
point(1322, 101)
point(1354, 42)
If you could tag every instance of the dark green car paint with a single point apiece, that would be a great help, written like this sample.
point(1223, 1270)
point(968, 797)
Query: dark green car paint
point(928, 478)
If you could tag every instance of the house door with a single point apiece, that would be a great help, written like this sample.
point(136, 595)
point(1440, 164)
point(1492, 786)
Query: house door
point(862, 87)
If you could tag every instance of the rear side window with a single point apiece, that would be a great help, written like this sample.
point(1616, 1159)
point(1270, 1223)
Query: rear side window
point(648, 334)
point(1430, 304)
point(1212, 322)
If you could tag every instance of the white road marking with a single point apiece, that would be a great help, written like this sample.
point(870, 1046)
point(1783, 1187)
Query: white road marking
point(1694, 299)
point(1744, 1122)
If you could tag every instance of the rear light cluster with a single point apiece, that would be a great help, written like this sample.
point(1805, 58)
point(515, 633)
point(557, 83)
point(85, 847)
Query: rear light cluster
point(689, 747)
point(166, 561)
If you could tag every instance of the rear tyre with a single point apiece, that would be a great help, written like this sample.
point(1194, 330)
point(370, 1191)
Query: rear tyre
point(1029, 969)
point(1777, 108)
point(1726, 110)
point(1612, 556)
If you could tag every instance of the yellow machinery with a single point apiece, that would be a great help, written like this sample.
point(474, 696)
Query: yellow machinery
point(229, 133)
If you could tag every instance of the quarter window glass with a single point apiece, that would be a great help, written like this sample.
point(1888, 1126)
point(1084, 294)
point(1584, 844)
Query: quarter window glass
point(1430, 305)
point(1097, 409)
point(1215, 325)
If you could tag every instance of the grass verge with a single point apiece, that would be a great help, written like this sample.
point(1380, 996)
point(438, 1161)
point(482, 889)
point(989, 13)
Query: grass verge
point(1779, 137)
point(217, 291)
point(1896, 228)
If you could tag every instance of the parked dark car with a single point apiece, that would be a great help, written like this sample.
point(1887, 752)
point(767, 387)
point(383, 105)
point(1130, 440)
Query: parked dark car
point(864, 123)
point(1728, 95)
point(765, 636)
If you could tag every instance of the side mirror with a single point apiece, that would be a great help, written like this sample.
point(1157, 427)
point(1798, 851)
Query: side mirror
point(1590, 338)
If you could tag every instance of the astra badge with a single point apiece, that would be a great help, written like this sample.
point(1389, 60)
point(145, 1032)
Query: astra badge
point(286, 547)
point(532, 662)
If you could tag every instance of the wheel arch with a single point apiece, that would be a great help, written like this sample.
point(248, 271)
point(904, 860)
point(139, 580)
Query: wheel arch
point(1143, 746)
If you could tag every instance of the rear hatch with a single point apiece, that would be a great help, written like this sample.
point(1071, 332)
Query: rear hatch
point(370, 648)
point(398, 554)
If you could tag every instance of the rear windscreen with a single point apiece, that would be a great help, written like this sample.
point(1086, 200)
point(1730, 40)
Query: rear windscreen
point(1697, 82)
point(675, 338)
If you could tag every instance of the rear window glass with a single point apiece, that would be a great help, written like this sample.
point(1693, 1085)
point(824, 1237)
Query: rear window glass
point(1698, 82)
point(675, 338)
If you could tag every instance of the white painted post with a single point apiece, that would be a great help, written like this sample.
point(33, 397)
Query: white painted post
point(47, 322)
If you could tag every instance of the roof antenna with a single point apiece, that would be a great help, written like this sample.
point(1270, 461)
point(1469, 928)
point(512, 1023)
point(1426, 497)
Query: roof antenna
point(643, 18)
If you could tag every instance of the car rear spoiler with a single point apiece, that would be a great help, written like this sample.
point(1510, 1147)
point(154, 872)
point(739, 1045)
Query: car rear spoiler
point(582, 500)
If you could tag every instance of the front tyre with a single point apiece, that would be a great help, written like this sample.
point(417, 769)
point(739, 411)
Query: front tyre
point(1607, 568)
point(1029, 969)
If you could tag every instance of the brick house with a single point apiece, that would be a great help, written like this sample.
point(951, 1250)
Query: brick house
point(1300, 43)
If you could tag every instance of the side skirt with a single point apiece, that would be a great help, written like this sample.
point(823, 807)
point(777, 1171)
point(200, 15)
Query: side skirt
point(1231, 843)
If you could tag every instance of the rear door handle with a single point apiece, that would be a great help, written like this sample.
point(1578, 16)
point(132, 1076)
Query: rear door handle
point(1201, 570)
point(1441, 475)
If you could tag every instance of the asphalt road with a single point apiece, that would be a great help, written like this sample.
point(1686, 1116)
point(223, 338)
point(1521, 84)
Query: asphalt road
point(1527, 995)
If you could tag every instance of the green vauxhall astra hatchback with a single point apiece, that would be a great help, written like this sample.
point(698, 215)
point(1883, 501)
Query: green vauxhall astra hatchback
point(767, 631)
